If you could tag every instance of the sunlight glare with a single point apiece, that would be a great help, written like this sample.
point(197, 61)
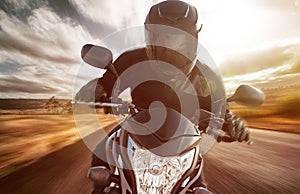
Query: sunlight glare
point(228, 25)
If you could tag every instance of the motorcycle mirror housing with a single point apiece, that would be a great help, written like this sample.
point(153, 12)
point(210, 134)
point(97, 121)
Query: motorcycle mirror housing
point(96, 56)
point(248, 96)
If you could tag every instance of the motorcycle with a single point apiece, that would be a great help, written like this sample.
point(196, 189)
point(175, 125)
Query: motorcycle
point(155, 150)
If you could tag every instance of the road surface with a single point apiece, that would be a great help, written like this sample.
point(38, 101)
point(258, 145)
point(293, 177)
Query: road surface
point(270, 165)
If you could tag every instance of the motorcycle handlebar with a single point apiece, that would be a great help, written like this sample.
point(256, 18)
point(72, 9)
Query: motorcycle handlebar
point(127, 108)
point(111, 107)
point(99, 104)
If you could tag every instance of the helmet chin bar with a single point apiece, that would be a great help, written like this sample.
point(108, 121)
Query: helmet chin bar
point(180, 63)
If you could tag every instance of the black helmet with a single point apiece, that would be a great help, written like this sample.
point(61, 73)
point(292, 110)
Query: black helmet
point(176, 14)
point(171, 32)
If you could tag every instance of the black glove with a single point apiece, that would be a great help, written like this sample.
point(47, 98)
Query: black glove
point(235, 127)
point(92, 92)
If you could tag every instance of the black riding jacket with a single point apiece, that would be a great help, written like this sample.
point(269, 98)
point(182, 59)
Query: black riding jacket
point(201, 89)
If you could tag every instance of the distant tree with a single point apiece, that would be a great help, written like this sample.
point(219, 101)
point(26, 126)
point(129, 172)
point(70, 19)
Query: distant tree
point(67, 107)
point(53, 105)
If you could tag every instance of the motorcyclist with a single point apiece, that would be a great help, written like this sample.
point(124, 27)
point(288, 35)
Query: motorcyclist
point(176, 49)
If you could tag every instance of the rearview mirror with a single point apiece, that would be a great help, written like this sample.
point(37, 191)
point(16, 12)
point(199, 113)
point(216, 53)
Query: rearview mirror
point(247, 95)
point(96, 56)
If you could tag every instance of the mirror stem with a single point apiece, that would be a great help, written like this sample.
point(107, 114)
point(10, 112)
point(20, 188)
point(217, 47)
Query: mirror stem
point(116, 92)
point(231, 99)
point(112, 69)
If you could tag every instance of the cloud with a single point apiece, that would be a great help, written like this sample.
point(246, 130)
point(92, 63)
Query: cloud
point(40, 41)
point(267, 57)
point(268, 67)
point(45, 37)
point(37, 80)
point(41, 55)
point(16, 84)
point(116, 13)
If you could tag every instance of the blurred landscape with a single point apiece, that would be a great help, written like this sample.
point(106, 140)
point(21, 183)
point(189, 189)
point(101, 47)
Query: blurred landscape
point(280, 111)
point(275, 69)
point(33, 128)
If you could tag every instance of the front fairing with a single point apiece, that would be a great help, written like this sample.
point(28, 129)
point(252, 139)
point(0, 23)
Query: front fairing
point(156, 174)
point(155, 158)
point(163, 131)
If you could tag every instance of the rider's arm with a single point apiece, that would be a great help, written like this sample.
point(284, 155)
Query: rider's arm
point(233, 126)
point(120, 65)
point(97, 89)
point(93, 91)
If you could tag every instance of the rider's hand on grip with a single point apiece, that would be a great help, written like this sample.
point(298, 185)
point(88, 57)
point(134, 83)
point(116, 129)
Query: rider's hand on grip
point(111, 110)
point(91, 92)
point(235, 128)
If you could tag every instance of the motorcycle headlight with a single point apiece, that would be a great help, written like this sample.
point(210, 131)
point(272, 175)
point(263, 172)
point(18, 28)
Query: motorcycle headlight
point(156, 174)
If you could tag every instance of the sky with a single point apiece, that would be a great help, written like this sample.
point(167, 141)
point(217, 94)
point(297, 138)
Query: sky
point(40, 40)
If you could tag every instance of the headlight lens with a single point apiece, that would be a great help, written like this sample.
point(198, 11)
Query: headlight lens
point(156, 174)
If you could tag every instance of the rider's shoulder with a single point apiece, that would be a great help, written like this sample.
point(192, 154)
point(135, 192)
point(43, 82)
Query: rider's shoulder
point(134, 55)
point(200, 67)
point(204, 67)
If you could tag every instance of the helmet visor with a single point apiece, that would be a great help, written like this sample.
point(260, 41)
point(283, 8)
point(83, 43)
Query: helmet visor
point(178, 41)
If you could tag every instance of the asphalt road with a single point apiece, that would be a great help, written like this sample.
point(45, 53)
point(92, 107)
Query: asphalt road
point(270, 165)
